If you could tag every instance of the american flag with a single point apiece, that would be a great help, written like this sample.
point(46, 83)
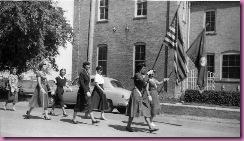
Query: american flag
point(173, 39)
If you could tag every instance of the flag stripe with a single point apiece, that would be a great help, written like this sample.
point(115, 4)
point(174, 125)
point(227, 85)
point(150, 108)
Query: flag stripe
point(181, 72)
point(176, 44)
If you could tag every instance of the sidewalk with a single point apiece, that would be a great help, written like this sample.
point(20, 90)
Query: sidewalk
point(202, 107)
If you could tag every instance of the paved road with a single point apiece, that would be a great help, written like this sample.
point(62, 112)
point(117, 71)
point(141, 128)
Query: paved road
point(13, 124)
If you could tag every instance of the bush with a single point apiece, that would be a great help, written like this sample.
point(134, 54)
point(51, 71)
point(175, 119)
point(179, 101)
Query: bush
point(227, 98)
point(3, 93)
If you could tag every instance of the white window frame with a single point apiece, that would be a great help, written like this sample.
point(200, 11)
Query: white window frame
point(221, 65)
point(102, 45)
point(99, 11)
point(134, 55)
point(204, 23)
point(136, 1)
point(213, 60)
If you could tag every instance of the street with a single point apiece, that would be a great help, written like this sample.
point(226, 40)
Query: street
point(14, 124)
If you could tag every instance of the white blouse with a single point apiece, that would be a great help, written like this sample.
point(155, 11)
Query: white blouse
point(99, 79)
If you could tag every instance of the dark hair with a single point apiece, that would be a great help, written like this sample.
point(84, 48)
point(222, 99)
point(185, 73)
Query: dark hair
point(40, 65)
point(140, 66)
point(11, 71)
point(85, 63)
point(99, 68)
point(62, 70)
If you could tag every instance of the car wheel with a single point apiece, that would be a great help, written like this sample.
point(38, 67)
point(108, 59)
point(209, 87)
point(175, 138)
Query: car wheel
point(110, 106)
point(122, 110)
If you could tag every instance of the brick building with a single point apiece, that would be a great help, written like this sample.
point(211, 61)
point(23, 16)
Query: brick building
point(222, 39)
point(118, 34)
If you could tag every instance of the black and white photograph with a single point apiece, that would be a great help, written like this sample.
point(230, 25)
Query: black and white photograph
point(120, 68)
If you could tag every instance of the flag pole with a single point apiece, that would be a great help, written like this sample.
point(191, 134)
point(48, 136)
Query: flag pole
point(164, 36)
point(163, 85)
point(199, 34)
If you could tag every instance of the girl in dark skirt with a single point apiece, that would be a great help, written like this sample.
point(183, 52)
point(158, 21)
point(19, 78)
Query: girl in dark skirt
point(83, 102)
point(99, 100)
point(12, 87)
point(61, 81)
point(139, 102)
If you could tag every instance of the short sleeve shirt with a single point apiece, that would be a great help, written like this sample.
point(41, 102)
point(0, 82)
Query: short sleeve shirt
point(99, 79)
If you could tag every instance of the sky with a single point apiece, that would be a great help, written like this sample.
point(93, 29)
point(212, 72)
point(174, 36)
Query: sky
point(64, 60)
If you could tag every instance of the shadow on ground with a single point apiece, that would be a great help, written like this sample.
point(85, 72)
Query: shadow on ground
point(135, 129)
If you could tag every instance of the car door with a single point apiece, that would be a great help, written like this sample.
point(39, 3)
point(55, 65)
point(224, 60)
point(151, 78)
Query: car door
point(70, 97)
point(111, 92)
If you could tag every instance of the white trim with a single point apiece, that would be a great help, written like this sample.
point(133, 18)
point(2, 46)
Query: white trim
point(135, 12)
point(98, 11)
point(97, 55)
point(134, 59)
point(221, 64)
point(204, 20)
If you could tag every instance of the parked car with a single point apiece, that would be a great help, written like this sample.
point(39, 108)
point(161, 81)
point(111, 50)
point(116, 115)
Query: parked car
point(27, 87)
point(117, 95)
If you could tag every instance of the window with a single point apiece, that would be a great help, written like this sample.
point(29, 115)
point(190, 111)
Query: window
point(102, 58)
point(210, 19)
point(210, 62)
point(103, 10)
point(141, 8)
point(140, 53)
point(231, 66)
point(116, 84)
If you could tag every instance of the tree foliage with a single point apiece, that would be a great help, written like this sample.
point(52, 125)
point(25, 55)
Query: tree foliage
point(31, 31)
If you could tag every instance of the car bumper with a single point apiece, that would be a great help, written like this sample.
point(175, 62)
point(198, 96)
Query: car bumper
point(122, 104)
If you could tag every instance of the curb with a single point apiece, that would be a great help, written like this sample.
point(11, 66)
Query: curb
point(202, 107)
point(200, 111)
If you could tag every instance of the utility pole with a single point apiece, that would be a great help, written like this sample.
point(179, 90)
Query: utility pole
point(91, 33)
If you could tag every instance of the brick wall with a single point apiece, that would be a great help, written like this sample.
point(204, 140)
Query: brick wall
point(227, 37)
point(150, 31)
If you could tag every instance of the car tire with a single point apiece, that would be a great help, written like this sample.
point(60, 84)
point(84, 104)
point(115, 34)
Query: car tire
point(110, 106)
point(122, 110)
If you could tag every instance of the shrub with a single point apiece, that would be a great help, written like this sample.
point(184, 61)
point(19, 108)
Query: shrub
point(227, 98)
point(3, 93)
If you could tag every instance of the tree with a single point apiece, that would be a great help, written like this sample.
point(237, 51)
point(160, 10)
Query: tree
point(31, 31)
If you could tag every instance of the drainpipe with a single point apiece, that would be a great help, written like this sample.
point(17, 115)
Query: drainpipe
point(91, 33)
point(166, 49)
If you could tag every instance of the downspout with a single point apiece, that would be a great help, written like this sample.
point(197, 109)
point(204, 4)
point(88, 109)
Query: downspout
point(91, 33)
point(166, 48)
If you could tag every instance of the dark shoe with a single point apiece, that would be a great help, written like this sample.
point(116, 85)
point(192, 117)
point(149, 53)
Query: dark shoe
point(27, 116)
point(47, 118)
point(153, 129)
point(65, 114)
point(94, 122)
point(52, 113)
point(74, 122)
point(129, 129)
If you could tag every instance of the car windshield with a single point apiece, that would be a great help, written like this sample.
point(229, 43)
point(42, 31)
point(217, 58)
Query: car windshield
point(75, 82)
point(116, 84)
